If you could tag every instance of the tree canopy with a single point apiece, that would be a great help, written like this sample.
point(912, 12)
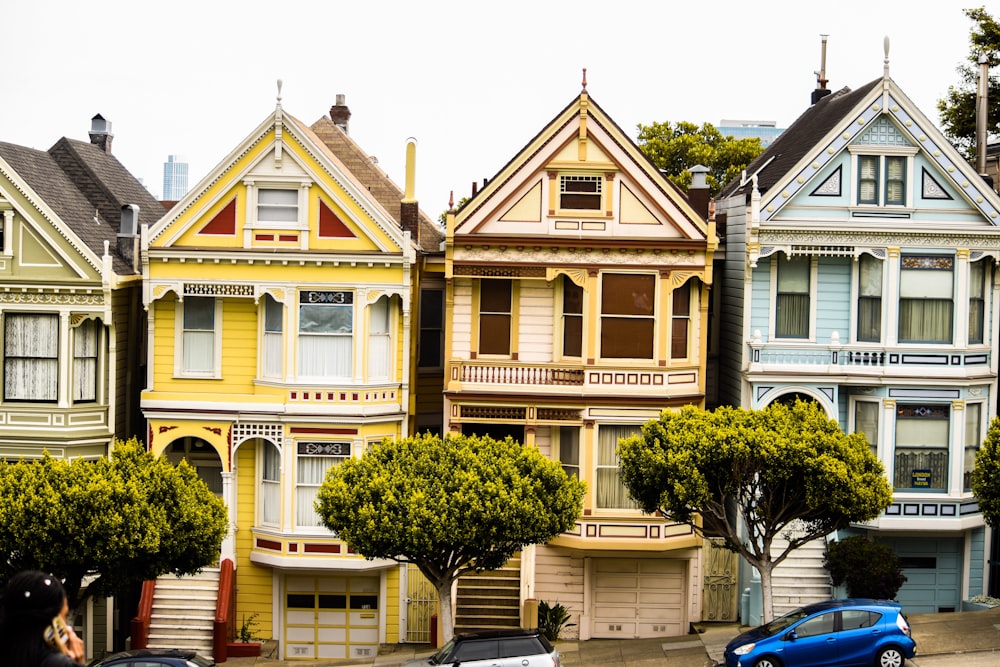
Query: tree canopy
point(122, 519)
point(676, 147)
point(449, 506)
point(986, 475)
point(958, 107)
point(779, 468)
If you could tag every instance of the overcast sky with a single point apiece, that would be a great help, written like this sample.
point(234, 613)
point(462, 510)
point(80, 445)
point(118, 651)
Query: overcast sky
point(472, 81)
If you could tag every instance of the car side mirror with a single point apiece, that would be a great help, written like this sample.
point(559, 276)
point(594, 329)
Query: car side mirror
point(791, 636)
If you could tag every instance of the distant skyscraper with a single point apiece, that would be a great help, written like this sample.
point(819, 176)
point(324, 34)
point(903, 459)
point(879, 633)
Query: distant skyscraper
point(175, 178)
point(765, 130)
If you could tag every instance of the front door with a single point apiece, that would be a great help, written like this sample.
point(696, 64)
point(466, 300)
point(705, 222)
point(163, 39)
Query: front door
point(719, 590)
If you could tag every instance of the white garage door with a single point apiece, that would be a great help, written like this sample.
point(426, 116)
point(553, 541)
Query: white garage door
point(331, 617)
point(638, 597)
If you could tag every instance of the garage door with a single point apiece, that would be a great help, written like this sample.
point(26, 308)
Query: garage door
point(331, 617)
point(638, 597)
point(932, 567)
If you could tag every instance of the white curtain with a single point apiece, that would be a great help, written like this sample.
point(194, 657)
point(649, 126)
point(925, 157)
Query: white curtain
point(31, 357)
point(310, 472)
point(379, 340)
point(85, 362)
point(270, 485)
point(611, 493)
point(326, 340)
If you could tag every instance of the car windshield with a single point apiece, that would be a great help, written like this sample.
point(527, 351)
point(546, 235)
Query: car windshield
point(440, 656)
point(782, 622)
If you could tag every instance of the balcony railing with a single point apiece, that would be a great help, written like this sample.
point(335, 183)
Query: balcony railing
point(866, 359)
point(521, 374)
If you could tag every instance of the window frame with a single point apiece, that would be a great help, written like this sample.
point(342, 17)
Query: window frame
point(264, 508)
point(495, 316)
point(977, 316)
point(812, 271)
point(883, 180)
point(81, 357)
point(336, 453)
point(380, 338)
point(569, 455)
point(571, 318)
point(321, 299)
point(601, 464)
point(923, 412)
point(272, 355)
point(681, 296)
point(877, 308)
point(923, 301)
point(640, 301)
point(970, 449)
point(254, 204)
point(431, 334)
point(49, 359)
point(570, 195)
point(180, 367)
point(855, 405)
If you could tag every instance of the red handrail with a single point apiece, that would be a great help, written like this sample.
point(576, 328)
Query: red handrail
point(140, 624)
point(223, 627)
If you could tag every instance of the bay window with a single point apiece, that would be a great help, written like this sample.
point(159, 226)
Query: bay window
point(572, 318)
point(869, 299)
point(866, 422)
point(270, 484)
point(977, 302)
point(495, 315)
point(313, 461)
point(611, 491)
point(925, 299)
point(921, 461)
point(680, 317)
point(792, 305)
point(973, 440)
point(627, 322)
point(31, 357)
point(379, 340)
point(569, 450)
point(85, 341)
point(198, 335)
point(326, 334)
point(274, 318)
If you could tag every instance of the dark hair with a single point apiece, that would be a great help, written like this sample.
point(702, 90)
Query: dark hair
point(30, 601)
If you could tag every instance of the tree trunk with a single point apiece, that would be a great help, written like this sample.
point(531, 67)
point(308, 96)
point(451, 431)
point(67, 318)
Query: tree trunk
point(766, 594)
point(446, 620)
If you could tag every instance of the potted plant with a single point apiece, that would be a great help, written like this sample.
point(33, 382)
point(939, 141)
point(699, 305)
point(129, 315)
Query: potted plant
point(247, 644)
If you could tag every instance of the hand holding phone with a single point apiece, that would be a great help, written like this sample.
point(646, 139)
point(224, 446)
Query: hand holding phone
point(57, 635)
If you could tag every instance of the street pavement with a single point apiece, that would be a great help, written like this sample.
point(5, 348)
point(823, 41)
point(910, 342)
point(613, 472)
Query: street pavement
point(963, 639)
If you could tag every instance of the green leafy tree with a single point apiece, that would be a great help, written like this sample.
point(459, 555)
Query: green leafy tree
point(449, 506)
point(120, 519)
point(749, 476)
point(986, 475)
point(868, 568)
point(676, 147)
point(958, 108)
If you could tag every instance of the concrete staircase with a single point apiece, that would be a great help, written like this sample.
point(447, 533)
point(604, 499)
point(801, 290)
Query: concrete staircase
point(801, 578)
point(490, 600)
point(183, 612)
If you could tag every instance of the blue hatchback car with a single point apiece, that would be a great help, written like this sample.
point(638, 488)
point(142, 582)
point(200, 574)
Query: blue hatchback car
point(836, 632)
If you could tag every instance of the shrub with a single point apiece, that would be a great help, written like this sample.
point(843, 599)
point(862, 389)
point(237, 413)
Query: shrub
point(868, 568)
point(552, 619)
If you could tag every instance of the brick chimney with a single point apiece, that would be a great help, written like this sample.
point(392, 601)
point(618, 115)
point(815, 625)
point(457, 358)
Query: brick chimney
point(339, 113)
point(409, 211)
point(698, 192)
point(100, 133)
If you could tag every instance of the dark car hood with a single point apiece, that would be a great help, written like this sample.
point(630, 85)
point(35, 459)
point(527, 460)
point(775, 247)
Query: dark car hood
point(754, 635)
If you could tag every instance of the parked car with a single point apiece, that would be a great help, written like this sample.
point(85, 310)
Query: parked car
point(499, 648)
point(153, 658)
point(835, 632)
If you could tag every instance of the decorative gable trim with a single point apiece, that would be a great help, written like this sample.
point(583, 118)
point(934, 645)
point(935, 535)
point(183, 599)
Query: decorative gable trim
point(224, 222)
point(330, 224)
point(930, 188)
point(831, 186)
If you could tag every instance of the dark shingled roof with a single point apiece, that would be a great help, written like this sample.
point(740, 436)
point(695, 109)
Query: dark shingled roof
point(802, 136)
point(381, 187)
point(76, 179)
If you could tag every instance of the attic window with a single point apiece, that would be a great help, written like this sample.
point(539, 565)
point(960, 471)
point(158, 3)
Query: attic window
point(580, 192)
point(281, 206)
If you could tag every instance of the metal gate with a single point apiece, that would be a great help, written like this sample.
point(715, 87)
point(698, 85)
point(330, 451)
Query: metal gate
point(421, 603)
point(720, 592)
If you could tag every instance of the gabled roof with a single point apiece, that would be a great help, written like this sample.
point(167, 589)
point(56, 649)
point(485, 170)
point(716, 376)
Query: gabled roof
point(800, 137)
point(583, 120)
point(378, 183)
point(79, 182)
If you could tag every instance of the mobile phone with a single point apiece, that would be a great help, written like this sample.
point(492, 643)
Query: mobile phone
point(57, 634)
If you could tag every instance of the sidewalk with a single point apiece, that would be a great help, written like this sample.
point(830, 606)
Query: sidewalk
point(962, 632)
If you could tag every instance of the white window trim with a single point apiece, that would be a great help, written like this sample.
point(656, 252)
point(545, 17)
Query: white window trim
point(560, 322)
point(179, 372)
point(852, 425)
point(300, 185)
point(856, 301)
point(881, 152)
point(604, 186)
point(813, 274)
point(264, 445)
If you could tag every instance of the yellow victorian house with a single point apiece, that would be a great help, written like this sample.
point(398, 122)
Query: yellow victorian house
point(577, 304)
point(279, 296)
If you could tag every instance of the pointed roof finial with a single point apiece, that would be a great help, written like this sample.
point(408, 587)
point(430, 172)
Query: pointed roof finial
point(885, 47)
point(584, 80)
point(279, 92)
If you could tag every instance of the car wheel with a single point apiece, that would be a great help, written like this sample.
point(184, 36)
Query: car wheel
point(890, 657)
point(767, 661)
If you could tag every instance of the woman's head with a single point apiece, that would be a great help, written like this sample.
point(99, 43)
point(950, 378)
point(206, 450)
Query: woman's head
point(32, 599)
